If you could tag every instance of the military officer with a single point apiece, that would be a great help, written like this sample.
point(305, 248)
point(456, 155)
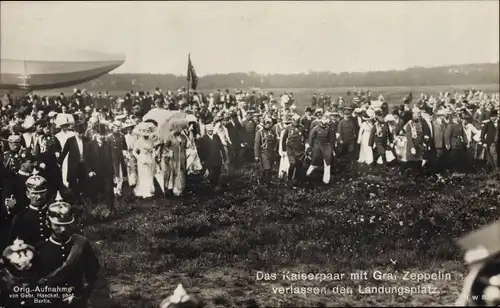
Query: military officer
point(12, 157)
point(249, 130)
point(334, 125)
point(380, 139)
point(31, 225)
point(19, 269)
point(68, 259)
point(321, 141)
point(14, 198)
point(318, 115)
point(118, 154)
point(482, 283)
point(264, 149)
point(348, 135)
point(293, 142)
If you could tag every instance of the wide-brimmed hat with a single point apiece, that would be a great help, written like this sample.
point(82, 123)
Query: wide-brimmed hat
point(441, 113)
point(390, 118)
point(369, 114)
point(128, 124)
point(29, 122)
point(62, 119)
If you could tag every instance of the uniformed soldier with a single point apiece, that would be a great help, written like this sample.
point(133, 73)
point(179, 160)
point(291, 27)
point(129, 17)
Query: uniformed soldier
point(380, 139)
point(249, 130)
point(318, 115)
point(320, 141)
point(14, 198)
point(31, 225)
point(264, 149)
point(118, 154)
point(348, 135)
point(18, 269)
point(482, 283)
point(334, 126)
point(293, 142)
point(68, 259)
point(12, 157)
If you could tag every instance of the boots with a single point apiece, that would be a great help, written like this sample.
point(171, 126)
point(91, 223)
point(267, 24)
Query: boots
point(269, 178)
point(263, 177)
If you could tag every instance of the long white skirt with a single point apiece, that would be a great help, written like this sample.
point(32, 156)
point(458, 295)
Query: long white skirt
point(365, 151)
point(145, 187)
point(283, 168)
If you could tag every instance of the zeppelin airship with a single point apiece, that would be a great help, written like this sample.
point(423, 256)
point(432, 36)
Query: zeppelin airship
point(32, 69)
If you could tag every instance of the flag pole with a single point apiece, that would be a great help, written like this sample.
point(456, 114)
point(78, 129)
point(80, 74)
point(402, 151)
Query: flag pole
point(188, 78)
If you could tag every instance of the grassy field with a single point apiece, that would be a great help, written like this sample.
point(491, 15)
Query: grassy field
point(363, 221)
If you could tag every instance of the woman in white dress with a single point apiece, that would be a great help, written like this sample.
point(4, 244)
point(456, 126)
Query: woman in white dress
point(144, 155)
point(193, 161)
point(365, 151)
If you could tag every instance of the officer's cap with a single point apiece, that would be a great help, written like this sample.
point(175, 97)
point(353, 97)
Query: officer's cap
point(60, 213)
point(19, 254)
point(36, 184)
point(14, 138)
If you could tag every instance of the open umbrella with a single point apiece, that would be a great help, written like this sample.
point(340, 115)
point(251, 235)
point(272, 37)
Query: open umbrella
point(168, 121)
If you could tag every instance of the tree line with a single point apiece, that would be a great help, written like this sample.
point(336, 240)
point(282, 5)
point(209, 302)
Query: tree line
point(471, 74)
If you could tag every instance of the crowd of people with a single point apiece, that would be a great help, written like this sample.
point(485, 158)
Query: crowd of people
point(60, 154)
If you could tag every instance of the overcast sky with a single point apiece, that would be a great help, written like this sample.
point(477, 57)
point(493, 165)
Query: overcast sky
point(266, 37)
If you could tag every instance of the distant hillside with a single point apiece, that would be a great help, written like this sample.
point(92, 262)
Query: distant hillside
point(487, 73)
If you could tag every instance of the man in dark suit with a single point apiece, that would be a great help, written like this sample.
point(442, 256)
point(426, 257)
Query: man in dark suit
point(99, 164)
point(439, 128)
point(76, 149)
point(212, 155)
point(489, 138)
point(454, 139)
point(348, 136)
point(47, 151)
point(234, 129)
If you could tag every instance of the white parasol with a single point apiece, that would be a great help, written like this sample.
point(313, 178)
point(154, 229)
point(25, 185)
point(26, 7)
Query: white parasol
point(168, 121)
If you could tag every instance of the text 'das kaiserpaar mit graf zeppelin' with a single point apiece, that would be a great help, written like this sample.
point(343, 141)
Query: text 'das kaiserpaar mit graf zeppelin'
point(356, 276)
